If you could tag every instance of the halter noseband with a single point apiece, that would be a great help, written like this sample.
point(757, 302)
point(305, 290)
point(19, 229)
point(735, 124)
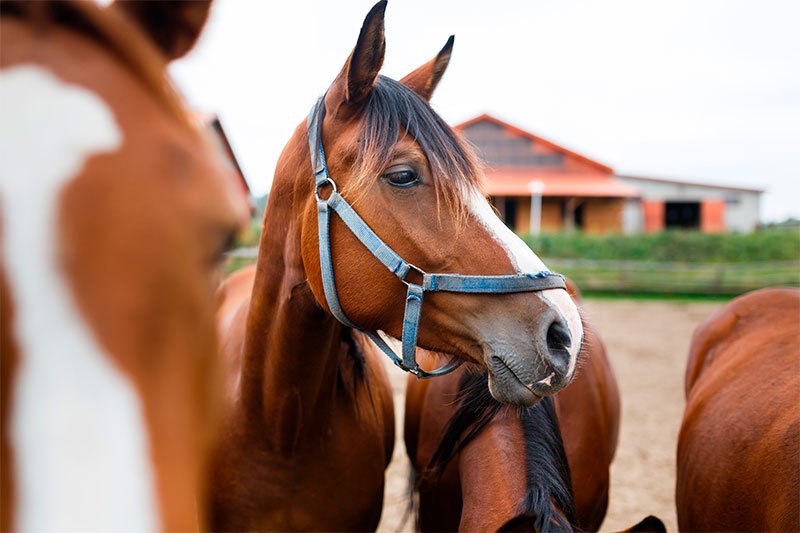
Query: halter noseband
point(522, 282)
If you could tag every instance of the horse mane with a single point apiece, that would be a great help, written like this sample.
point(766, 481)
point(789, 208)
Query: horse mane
point(108, 27)
point(356, 358)
point(548, 475)
point(392, 108)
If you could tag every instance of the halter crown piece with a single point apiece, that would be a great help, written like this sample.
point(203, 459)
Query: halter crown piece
point(522, 282)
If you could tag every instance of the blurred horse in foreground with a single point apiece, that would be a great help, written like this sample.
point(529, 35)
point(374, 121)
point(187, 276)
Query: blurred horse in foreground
point(739, 444)
point(115, 209)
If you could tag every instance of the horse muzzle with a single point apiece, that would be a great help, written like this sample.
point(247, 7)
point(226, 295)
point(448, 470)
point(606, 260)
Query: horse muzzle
point(522, 375)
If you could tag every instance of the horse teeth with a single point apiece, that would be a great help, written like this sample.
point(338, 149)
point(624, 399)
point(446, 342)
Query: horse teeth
point(547, 380)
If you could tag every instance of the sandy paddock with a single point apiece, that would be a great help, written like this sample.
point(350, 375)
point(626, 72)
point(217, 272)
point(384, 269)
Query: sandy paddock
point(648, 343)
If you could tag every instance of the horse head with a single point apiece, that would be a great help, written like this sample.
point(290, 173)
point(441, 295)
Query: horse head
point(417, 185)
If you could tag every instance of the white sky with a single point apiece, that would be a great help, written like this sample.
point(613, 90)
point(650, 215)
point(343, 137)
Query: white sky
point(692, 89)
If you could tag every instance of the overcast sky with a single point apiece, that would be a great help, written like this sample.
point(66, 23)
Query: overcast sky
point(695, 90)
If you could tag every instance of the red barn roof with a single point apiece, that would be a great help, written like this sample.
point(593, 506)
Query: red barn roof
point(515, 158)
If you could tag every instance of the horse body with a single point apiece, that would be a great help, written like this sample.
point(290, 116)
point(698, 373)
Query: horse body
point(484, 487)
point(589, 417)
point(114, 211)
point(495, 467)
point(739, 444)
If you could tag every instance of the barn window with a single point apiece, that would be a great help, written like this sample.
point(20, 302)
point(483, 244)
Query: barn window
point(682, 215)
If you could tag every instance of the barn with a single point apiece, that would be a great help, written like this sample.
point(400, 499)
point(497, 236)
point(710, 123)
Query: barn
point(539, 186)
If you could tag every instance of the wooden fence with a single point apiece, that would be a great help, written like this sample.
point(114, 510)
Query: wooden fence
point(645, 276)
point(676, 278)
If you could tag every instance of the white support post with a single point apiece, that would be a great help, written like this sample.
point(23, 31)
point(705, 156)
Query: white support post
point(536, 189)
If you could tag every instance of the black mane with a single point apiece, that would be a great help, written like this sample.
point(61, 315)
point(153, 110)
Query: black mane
point(548, 474)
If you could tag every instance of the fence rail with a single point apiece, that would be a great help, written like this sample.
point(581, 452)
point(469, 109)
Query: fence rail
point(646, 276)
point(684, 278)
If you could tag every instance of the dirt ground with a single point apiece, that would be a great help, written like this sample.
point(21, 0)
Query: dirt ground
point(648, 342)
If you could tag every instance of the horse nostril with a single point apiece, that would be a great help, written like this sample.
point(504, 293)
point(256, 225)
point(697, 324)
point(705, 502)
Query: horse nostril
point(558, 336)
point(558, 342)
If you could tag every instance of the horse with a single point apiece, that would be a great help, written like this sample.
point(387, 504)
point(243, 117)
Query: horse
point(116, 208)
point(477, 487)
point(371, 193)
point(739, 443)
point(491, 467)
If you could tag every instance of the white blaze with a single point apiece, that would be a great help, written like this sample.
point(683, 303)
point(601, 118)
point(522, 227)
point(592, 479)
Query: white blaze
point(524, 260)
point(80, 447)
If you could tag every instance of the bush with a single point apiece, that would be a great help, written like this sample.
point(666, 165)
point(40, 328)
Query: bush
point(672, 246)
point(249, 236)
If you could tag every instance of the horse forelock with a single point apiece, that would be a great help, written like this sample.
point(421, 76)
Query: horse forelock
point(111, 30)
point(547, 470)
point(393, 110)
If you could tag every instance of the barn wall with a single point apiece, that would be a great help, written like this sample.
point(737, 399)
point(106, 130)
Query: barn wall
point(653, 211)
point(551, 215)
point(603, 215)
point(742, 208)
point(712, 214)
point(742, 211)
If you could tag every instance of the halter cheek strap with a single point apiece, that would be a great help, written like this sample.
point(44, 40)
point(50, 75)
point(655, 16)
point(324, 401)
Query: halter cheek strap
point(457, 283)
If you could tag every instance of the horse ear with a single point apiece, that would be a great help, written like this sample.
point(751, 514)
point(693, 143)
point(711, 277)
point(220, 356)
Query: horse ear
point(424, 80)
point(355, 81)
point(650, 524)
point(174, 26)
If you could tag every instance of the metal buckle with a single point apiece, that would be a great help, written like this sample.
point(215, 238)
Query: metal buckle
point(323, 183)
point(415, 370)
point(417, 270)
point(418, 372)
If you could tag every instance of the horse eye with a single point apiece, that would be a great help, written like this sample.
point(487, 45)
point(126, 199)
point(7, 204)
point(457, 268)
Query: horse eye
point(402, 178)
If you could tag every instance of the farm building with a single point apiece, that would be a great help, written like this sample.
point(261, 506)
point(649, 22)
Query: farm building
point(681, 204)
point(537, 185)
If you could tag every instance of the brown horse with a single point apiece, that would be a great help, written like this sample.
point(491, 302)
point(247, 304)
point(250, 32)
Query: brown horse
point(115, 211)
point(739, 444)
point(497, 468)
point(311, 424)
point(485, 461)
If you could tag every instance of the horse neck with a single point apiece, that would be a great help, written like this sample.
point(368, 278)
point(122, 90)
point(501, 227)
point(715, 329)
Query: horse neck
point(516, 490)
point(292, 346)
point(493, 484)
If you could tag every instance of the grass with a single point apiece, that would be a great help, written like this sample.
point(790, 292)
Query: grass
point(673, 246)
point(675, 265)
point(654, 296)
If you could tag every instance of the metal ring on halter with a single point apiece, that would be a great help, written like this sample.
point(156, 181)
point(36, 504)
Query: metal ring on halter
point(417, 270)
point(323, 183)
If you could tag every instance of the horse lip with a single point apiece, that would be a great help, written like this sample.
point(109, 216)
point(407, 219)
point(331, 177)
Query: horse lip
point(546, 386)
point(496, 359)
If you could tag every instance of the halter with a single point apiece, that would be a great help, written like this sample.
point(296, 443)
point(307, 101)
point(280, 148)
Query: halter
point(511, 283)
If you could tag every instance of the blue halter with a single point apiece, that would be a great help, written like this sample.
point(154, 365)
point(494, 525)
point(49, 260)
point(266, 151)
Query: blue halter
point(398, 266)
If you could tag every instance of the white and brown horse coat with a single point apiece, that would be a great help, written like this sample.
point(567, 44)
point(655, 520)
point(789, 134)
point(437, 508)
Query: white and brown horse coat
point(112, 208)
